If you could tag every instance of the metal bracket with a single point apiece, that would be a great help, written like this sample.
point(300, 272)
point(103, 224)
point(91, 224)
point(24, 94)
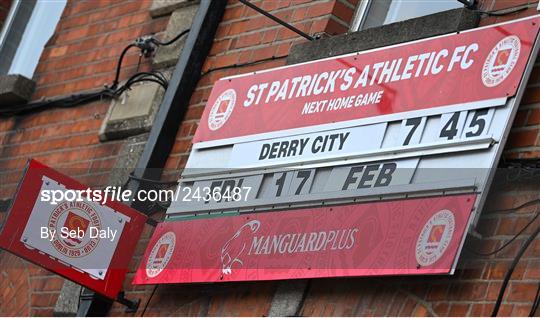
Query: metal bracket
point(151, 222)
point(146, 45)
point(132, 305)
point(469, 4)
point(474, 233)
point(278, 20)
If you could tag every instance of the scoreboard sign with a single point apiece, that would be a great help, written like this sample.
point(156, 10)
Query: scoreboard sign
point(85, 241)
point(422, 119)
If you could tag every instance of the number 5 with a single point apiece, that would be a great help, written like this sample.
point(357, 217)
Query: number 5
point(479, 123)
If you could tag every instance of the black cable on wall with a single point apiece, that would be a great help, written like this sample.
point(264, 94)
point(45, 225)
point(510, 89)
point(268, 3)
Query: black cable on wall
point(145, 44)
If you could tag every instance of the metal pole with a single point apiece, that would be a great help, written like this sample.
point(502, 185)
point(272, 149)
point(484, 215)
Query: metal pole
point(176, 100)
point(278, 20)
point(167, 122)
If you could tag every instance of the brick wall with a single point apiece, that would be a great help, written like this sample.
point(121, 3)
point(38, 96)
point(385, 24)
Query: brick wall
point(87, 43)
point(82, 55)
point(4, 10)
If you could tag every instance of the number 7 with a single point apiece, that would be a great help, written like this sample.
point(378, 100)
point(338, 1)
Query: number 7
point(415, 123)
point(304, 175)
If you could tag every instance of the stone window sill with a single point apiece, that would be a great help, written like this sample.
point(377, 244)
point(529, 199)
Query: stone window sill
point(409, 30)
point(15, 90)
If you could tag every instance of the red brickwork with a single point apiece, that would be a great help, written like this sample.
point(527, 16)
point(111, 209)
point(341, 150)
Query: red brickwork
point(82, 55)
point(88, 41)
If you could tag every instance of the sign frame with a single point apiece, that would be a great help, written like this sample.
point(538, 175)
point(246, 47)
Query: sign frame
point(21, 208)
point(487, 150)
point(510, 102)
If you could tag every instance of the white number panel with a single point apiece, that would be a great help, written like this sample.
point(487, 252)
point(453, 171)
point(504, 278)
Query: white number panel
point(416, 134)
point(422, 153)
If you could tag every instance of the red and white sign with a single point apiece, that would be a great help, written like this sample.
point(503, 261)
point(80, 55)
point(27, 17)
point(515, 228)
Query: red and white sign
point(402, 237)
point(82, 240)
point(471, 66)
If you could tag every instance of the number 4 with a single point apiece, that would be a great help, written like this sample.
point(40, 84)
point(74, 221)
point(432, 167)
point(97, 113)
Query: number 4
point(452, 125)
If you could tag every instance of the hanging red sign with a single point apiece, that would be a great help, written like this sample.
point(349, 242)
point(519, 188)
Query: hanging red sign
point(55, 223)
point(476, 65)
point(402, 237)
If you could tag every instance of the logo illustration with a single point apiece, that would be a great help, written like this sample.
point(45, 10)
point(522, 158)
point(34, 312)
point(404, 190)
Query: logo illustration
point(501, 61)
point(435, 237)
point(222, 109)
point(76, 218)
point(78, 224)
point(160, 255)
point(235, 246)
